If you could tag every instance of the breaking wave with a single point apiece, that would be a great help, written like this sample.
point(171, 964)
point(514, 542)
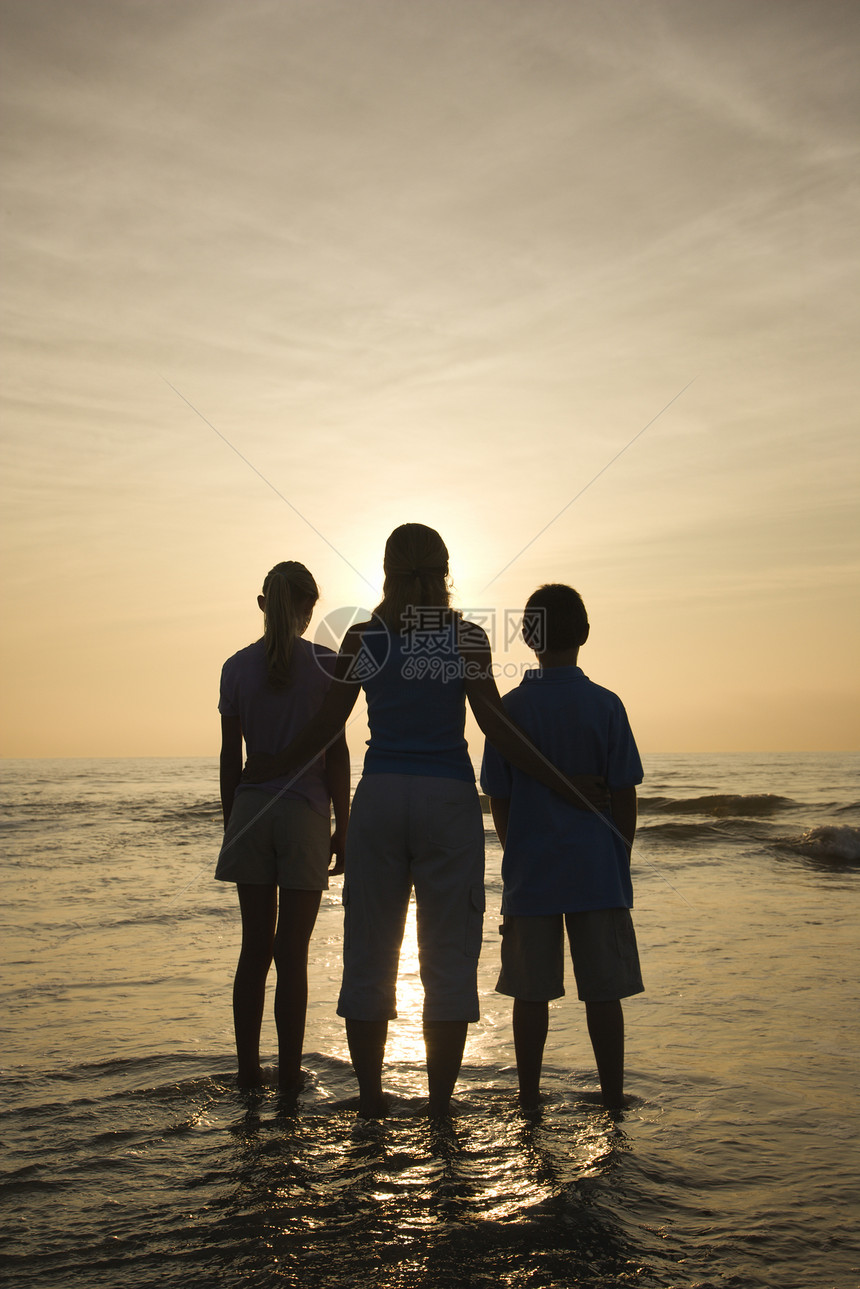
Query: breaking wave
point(719, 805)
point(829, 843)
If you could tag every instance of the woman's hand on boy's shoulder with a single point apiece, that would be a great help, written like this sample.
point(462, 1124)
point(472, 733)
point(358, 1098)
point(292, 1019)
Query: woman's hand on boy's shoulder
point(589, 792)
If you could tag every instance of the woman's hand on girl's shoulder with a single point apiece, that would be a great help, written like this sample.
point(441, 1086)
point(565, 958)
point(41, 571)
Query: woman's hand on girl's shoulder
point(260, 767)
point(350, 647)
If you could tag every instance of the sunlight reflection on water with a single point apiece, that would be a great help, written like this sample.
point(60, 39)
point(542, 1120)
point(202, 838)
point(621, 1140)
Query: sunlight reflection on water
point(406, 1034)
point(128, 1141)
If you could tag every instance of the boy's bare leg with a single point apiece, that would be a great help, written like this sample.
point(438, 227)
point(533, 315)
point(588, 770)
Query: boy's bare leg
point(606, 1031)
point(530, 1023)
point(366, 1040)
point(444, 1041)
point(259, 907)
point(296, 917)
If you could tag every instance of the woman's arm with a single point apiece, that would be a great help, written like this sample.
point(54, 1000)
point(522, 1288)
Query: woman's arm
point(622, 803)
point(500, 809)
point(337, 774)
point(584, 790)
point(231, 762)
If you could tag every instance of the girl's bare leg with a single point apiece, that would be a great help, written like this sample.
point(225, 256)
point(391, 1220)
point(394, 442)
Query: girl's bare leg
point(296, 917)
point(259, 906)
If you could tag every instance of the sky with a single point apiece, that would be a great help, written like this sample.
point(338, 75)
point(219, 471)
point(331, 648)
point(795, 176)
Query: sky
point(575, 283)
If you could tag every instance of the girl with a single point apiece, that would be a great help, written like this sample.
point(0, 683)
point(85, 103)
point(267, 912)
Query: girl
point(277, 847)
point(416, 817)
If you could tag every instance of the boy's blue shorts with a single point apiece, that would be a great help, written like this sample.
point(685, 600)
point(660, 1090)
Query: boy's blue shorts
point(602, 946)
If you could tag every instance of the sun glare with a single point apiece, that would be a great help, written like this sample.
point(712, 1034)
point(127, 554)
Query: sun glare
point(406, 1034)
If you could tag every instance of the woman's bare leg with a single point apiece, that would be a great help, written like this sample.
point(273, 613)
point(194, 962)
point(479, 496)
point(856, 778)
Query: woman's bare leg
point(444, 1042)
point(259, 906)
point(296, 917)
point(366, 1040)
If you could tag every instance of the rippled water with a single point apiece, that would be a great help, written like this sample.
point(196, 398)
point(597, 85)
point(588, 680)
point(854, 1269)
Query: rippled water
point(130, 1158)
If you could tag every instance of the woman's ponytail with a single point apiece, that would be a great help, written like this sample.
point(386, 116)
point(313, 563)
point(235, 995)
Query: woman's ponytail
point(416, 575)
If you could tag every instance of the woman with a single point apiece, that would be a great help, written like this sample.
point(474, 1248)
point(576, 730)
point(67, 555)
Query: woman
point(416, 818)
point(277, 845)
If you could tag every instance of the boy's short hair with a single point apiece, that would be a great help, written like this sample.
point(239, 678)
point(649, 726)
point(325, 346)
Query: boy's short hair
point(555, 618)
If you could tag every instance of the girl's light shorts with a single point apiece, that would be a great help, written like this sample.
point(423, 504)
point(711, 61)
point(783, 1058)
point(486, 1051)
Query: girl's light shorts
point(275, 841)
point(602, 946)
point(407, 830)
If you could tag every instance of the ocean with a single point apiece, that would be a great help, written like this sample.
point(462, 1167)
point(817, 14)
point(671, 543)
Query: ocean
point(131, 1159)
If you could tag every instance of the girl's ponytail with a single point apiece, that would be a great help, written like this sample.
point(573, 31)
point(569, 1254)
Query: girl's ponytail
point(290, 593)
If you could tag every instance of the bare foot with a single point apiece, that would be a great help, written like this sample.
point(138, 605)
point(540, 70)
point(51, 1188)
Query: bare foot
point(249, 1079)
point(292, 1086)
point(597, 1098)
point(372, 1107)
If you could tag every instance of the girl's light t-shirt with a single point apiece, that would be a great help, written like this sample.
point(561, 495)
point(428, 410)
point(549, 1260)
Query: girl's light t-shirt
point(271, 719)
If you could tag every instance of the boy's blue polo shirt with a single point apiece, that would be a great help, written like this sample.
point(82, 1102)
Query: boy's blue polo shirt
point(559, 859)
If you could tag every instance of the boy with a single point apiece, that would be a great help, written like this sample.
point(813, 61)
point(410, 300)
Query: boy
point(562, 865)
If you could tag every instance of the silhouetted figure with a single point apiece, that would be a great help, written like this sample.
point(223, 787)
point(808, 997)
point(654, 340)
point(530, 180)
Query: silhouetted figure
point(278, 842)
point(562, 865)
point(416, 818)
